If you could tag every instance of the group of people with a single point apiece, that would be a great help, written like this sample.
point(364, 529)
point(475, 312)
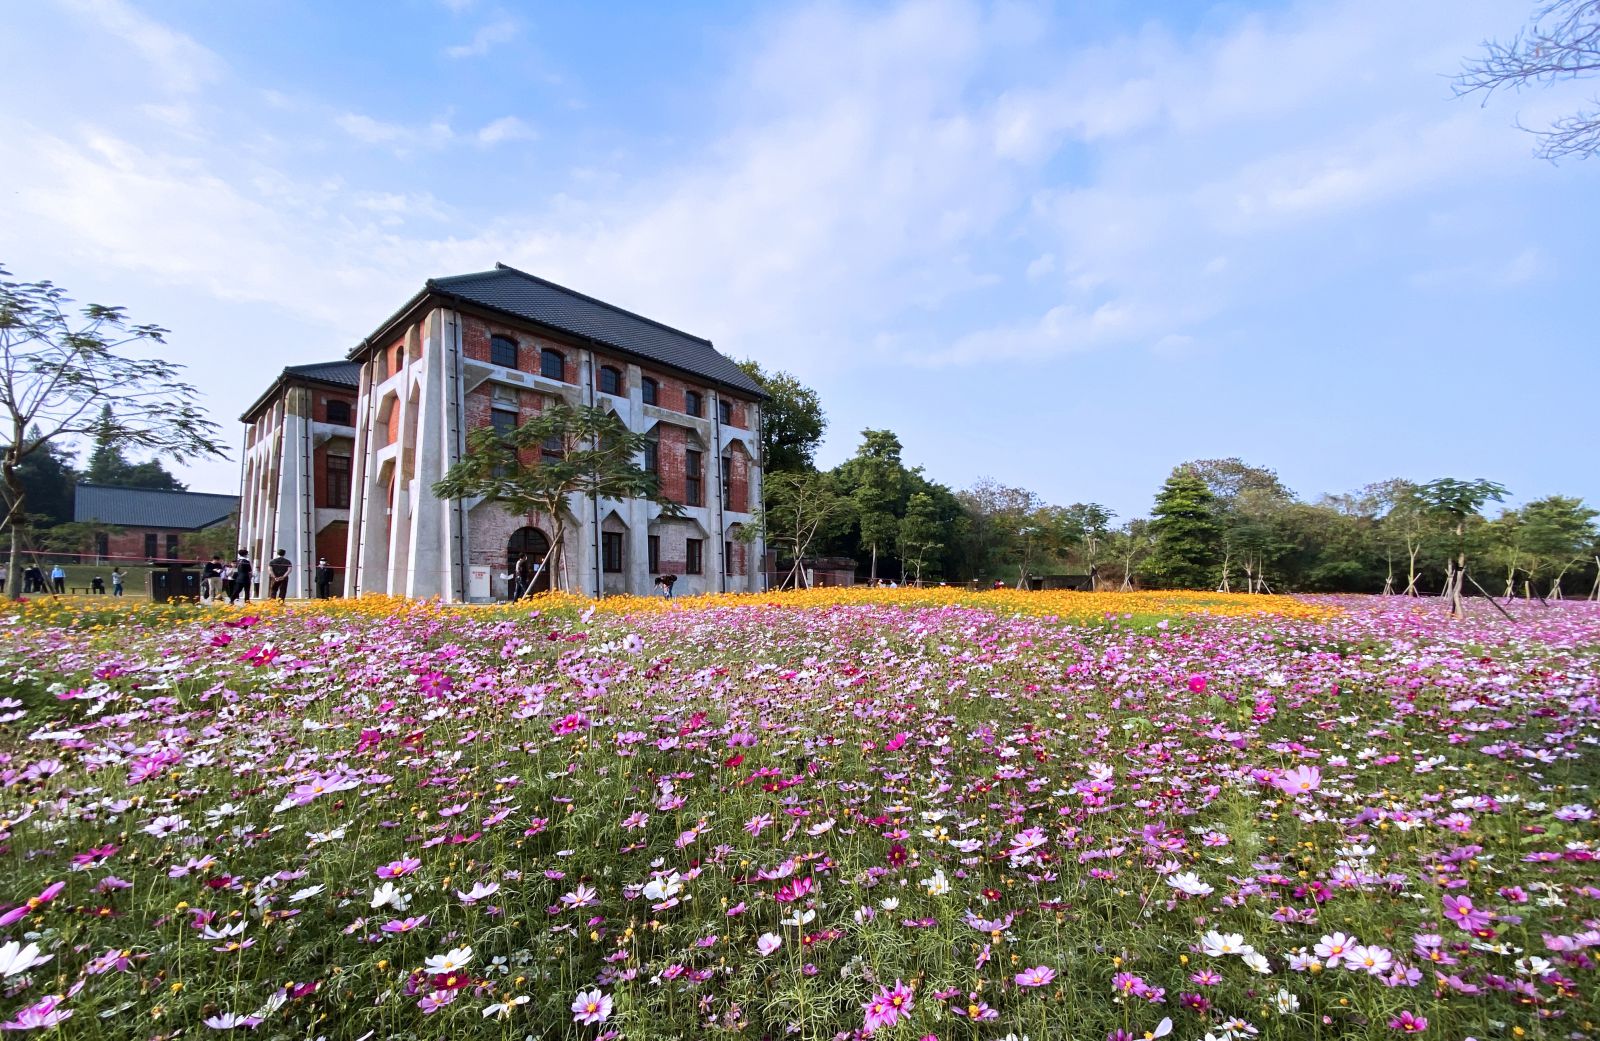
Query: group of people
point(34, 581)
point(236, 581)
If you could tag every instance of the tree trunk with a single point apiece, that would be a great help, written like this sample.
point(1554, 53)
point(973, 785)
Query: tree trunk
point(18, 495)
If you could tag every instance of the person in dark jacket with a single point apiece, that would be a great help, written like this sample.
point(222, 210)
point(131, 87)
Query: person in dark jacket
point(278, 569)
point(324, 577)
point(243, 572)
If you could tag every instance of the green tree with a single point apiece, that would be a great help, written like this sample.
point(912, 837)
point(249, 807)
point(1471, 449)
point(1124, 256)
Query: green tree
point(996, 516)
point(599, 456)
point(1187, 536)
point(1557, 533)
point(1454, 502)
point(921, 533)
point(1129, 545)
point(48, 479)
point(1247, 502)
point(58, 369)
point(799, 508)
point(1091, 525)
point(792, 421)
point(879, 478)
point(108, 465)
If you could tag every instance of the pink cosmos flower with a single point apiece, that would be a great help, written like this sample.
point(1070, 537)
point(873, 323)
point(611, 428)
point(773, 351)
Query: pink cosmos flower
point(1197, 684)
point(591, 1007)
point(41, 1015)
point(1301, 780)
point(1459, 910)
point(1038, 976)
point(398, 868)
point(887, 1007)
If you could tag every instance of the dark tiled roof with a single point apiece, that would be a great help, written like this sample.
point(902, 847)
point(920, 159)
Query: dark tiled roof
point(144, 508)
point(342, 373)
point(535, 299)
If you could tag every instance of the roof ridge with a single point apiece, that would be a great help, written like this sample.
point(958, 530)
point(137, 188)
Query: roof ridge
point(502, 266)
point(154, 491)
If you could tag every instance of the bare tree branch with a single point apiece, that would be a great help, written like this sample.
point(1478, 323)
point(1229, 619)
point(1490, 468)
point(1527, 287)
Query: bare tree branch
point(1562, 43)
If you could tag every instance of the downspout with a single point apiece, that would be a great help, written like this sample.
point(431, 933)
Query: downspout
point(594, 497)
point(303, 580)
point(460, 445)
point(722, 504)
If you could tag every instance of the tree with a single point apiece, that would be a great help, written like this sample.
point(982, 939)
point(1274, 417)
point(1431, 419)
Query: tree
point(1453, 502)
point(1129, 544)
point(791, 420)
point(1187, 535)
point(108, 465)
point(1561, 43)
point(799, 507)
point(1091, 524)
point(1246, 500)
point(920, 532)
point(47, 480)
point(1557, 532)
point(599, 456)
point(996, 516)
point(880, 489)
point(57, 369)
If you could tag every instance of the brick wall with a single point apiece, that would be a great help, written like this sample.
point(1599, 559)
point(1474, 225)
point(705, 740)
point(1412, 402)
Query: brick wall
point(738, 479)
point(129, 544)
point(319, 468)
point(331, 547)
point(672, 441)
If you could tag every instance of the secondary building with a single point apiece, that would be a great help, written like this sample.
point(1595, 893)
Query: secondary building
point(142, 525)
point(494, 348)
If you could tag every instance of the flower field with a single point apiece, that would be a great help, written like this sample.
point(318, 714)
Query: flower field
point(899, 814)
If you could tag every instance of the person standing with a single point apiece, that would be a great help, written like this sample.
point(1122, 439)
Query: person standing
point(118, 576)
point(278, 569)
point(324, 578)
point(4, 574)
point(211, 578)
point(242, 574)
point(522, 578)
point(58, 578)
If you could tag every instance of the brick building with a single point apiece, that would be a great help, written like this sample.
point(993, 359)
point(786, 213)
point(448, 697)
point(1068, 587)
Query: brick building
point(295, 491)
point(151, 524)
point(494, 348)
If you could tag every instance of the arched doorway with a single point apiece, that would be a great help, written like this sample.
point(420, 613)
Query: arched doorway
point(536, 544)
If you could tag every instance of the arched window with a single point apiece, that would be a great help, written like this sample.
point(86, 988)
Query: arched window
point(503, 351)
point(552, 365)
point(649, 390)
point(610, 380)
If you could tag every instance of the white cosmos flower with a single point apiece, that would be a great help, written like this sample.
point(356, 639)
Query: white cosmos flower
point(1287, 1002)
point(305, 894)
point(16, 959)
point(766, 943)
point(1258, 961)
point(936, 884)
point(1216, 945)
point(1188, 883)
point(451, 961)
point(800, 918)
point(503, 1008)
point(387, 894)
point(663, 888)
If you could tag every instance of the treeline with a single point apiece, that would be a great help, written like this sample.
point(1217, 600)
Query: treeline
point(1214, 524)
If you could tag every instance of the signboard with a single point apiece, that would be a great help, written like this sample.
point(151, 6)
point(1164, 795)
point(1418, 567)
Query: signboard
point(478, 582)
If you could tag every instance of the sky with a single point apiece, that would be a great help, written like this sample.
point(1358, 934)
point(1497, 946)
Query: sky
point(1061, 246)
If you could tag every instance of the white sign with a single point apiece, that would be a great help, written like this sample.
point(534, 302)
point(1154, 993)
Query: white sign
point(478, 582)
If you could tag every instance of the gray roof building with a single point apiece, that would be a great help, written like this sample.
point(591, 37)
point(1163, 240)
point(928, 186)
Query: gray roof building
point(519, 295)
point(146, 508)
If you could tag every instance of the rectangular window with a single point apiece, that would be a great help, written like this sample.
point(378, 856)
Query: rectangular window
point(150, 545)
point(726, 478)
point(692, 403)
point(725, 412)
point(611, 551)
point(647, 390)
point(338, 482)
point(172, 546)
point(655, 554)
point(652, 457)
point(727, 559)
point(503, 420)
point(694, 556)
point(553, 447)
point(338, 413)
point(693, 490)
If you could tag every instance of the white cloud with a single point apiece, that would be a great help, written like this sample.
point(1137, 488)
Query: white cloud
point(506, 128)
point(487, 37)
point(177, 62)
point(372, 131)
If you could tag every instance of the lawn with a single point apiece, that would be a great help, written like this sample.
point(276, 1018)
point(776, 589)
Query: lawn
point(895, 813)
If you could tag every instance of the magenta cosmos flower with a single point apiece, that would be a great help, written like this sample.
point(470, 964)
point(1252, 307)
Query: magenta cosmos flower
point(887, 1007)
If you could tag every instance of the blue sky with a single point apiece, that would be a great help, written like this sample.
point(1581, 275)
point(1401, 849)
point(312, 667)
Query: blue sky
point(1063, 246)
